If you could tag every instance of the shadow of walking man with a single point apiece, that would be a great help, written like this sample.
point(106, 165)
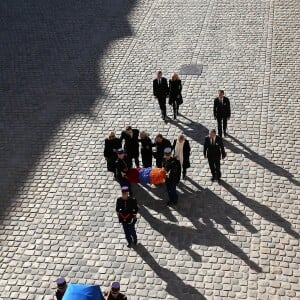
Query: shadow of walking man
point(182, 238)
point(175, 286)
point(262, 210)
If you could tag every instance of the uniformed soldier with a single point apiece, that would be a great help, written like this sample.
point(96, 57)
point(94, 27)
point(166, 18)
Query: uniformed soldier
point(114, 292)
point(127, 209)
point(61, 288)
point(173, 172)
point(122, 167)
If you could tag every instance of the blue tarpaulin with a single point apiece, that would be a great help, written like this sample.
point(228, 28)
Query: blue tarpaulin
point(83, 292)
point(144, 175)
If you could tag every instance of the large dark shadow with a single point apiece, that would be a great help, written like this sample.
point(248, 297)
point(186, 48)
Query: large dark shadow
point(175, 286)
point(197, 132)
point(195, 205)
point(182, 238)
point(262, 210)
point(50, 53)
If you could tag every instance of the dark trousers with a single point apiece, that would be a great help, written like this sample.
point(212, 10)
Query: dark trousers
point(184, 171)
point(130, 233)
point(125, 182)
point(159, 161)
point(222, 122)
point(162, 105)
point(175, 108)
point(214, 165)
point(172, 193)
point(136, 159)
point(147, 160)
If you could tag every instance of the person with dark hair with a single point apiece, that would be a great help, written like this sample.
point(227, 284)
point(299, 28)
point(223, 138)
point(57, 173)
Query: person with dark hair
point(112, 144)
point(61, 288)
point(160, 143)
point(131, 145)
point(222, 112)
point(175, 97)
point(122, 167)
point(160, 92)
point(127, 209)
point(182, 151)
point(146, 149)
point(173, 171)
point(213, 151)
point(114, 292)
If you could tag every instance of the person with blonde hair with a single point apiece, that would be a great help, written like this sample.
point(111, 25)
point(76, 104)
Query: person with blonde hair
point(112, 144)
point(182, 151)
point(175, 97)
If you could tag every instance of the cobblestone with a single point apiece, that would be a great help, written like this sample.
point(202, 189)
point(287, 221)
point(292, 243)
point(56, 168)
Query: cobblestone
point(72, 71)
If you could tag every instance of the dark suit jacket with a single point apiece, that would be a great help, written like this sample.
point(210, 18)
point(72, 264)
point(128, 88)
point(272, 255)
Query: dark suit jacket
point(160, 147)
point(110, 146)
point(222, 110)
point(214, 151)
point(160, 91)
point(186, 153)
point(175, 89)
point(131, 145)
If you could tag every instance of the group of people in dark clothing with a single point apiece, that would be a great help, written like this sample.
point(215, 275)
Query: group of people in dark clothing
point(120, 152)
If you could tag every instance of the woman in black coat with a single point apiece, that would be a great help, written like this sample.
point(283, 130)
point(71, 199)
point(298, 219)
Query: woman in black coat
point(146, 149)
point(182, 151)
point(112, 144)
point(175, 97)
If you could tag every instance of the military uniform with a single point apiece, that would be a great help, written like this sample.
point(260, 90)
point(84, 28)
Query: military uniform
point(122, 167)
point(114, 293)
point(127, 209)
point(173, 170)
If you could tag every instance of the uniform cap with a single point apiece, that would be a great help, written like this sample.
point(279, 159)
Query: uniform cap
point(60, 281)
point(120, 151)
point(167, 150)
point(125, 189)
point(115, 285)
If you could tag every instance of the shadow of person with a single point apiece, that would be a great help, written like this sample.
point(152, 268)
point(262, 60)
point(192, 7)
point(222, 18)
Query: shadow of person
point(143, 195)
point(175, 286)
point(197, 132)
point(182, 238)
point(262, 210)
point(50, 73)
point(208, 206)
point(264, 162)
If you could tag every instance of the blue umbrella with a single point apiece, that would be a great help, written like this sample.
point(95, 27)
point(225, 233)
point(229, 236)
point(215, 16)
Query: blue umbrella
point(83, 292)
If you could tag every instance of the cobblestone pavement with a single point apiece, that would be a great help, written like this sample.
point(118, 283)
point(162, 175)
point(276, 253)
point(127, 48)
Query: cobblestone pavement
point(71, 71)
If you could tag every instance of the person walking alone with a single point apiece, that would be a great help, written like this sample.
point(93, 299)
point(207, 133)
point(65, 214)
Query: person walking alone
point(182, 151)
point(175, 96)
point(213, 151)
point(160, 92)
point(127, 209)
point(222, 112)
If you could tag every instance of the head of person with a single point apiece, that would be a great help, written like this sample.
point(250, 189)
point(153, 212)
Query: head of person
point(159, 138)
point(115, 290)
point(167, 153)
point(212, 134)
point(61, 284)
point(111, 135)
point(143, 135)
point(129, 130)
point(175, 77)
point(181, 138)
point(159, 74)
point(125, 192)
point(221, 93)
point(120, 153)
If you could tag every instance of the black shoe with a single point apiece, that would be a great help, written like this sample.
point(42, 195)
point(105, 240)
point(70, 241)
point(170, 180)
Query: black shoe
point(219, 181)
point(225, 134)
point(183, 177)
point(169, 203)
point(135, 241)
point(129, 245)
point(212, 179)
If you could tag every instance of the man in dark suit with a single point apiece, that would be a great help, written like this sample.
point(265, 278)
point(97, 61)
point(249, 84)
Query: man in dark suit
point(222, 112)
point(131, 145)
point(161, 91)
point(161, 144)
point(214, 150)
